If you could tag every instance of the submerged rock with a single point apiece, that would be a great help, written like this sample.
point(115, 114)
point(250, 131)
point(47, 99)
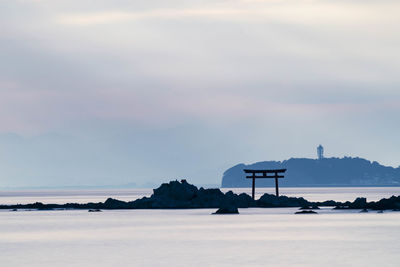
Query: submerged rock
point(363, 210)
point(227, 210)
point(306, 212)
point(94, 210)
point(341, 207)
point(313, 207)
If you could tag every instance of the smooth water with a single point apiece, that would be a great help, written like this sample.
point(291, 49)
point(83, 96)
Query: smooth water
point(255, 237)
point(75, 196)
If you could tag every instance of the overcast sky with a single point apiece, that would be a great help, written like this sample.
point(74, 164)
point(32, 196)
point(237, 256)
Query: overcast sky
point(112, 92)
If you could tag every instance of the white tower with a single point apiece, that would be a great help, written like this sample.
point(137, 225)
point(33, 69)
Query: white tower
point(320, 152)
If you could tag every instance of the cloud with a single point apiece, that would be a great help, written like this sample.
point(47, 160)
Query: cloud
point(302, 11)
point(292, 11)
point(194, 87)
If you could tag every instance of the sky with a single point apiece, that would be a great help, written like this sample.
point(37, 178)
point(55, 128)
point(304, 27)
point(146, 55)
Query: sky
point(142, 92)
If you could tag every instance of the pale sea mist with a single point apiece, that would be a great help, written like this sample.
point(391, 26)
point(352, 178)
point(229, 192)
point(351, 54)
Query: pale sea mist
point(255, 237)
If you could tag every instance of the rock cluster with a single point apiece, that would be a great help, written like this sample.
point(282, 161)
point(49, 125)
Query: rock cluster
point(182, 195)
point(391, 203)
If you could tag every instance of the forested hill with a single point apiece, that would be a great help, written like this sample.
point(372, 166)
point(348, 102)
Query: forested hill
point(318, 172)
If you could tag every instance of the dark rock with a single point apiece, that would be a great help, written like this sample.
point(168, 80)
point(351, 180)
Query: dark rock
point(175, 190)
point(182, 195)
point(94, 210)
point(359, 203)
point(306, 212)
point(386, 203)
point(313, 207)
point(228, 209)
point(245, 201)
point(328, 203)
point(268, 200)
point(341, 207)
point(111, 203)
point(172, 195)
point(208, 198)
point(363, 210)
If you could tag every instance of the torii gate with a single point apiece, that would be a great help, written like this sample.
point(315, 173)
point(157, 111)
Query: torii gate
point(264, 174)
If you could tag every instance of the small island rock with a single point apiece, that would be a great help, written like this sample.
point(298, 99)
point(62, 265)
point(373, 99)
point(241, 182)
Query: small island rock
point(94, 210)
point(228, 209)
point(306, 212)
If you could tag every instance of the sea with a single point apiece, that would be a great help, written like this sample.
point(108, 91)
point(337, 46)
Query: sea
point(195, 237)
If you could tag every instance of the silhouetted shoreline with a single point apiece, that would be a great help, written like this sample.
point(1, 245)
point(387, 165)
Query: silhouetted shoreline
point(305, 172)
point(182, 195)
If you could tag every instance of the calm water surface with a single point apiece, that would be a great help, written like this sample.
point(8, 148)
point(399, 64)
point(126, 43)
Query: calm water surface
point(255, 237)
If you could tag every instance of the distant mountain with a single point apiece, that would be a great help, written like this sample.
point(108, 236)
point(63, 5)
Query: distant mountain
point(345, 171)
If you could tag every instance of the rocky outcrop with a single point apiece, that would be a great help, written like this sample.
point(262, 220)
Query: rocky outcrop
point(268, 201)
point(385, 204)
point(359, 203)
point(182, 195)
point(391, 203)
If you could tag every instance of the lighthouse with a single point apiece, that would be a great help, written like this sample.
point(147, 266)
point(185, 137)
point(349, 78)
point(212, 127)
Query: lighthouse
point(320, 152)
